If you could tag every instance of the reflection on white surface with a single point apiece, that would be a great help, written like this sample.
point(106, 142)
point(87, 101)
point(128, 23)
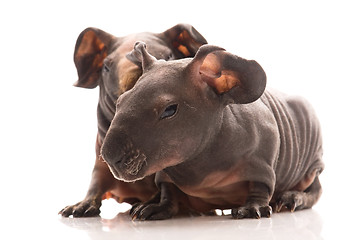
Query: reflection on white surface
point(40, 221)
point(299, 225)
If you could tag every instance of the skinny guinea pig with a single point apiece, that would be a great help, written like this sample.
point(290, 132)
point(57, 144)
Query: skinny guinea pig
point(214, 137)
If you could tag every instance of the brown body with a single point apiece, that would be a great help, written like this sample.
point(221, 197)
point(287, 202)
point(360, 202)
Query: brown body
point(100, 61)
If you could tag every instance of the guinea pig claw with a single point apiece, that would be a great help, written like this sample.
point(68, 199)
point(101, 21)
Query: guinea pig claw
point(279, 206)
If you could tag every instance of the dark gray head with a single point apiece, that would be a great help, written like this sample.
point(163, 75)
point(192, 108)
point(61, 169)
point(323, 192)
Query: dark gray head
point(175, 109)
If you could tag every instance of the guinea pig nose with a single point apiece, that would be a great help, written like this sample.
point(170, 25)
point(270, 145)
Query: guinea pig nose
point(113, 148)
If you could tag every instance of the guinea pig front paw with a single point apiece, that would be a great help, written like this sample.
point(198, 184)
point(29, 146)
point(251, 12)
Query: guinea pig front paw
point(85, 208)
point(153, 211)
point(252, 210)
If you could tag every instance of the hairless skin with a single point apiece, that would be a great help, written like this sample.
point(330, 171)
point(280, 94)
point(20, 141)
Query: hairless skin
point(214, 137)
point(100, 59)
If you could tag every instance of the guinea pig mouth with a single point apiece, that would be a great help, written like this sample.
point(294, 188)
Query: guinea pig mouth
point(129, 165)
point(134, 162)
point(126, 161)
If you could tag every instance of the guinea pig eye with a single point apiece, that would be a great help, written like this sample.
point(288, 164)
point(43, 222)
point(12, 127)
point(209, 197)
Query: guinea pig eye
point(170, 111)
point(169, 57)
point(106, 68)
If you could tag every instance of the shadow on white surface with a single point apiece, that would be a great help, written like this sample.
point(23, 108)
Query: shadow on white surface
point(305, 224)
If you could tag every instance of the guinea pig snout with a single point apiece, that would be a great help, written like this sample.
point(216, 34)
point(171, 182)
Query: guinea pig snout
point(133, 160)
point(122, 156)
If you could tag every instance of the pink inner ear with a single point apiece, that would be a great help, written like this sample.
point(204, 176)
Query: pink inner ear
point(179, 43)
point(90, 44)
point(88, 58)
point(226, 81)
point(211, 66)
point(221, 80)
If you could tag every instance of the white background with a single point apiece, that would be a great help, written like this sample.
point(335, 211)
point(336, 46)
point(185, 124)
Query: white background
point(48, 128)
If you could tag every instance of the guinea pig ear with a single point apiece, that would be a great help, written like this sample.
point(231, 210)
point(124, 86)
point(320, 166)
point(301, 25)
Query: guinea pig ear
point(185, 39)
point(236, 79)
point(91, 48)
point(140, 56)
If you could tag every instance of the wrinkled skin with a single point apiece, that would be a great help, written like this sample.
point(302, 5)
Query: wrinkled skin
point(214, 137)
point(100, 59)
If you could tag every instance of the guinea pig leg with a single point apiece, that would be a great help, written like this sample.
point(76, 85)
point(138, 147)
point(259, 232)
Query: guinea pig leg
point(163, 206)
point(101, 182)
point(297, 200)
point(257, 203)
point(137, 207)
